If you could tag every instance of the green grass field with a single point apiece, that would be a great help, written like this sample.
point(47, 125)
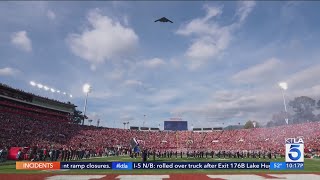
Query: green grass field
point(311, 166)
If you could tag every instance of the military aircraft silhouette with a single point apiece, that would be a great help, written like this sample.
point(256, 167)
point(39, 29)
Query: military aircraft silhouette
point(163, 19)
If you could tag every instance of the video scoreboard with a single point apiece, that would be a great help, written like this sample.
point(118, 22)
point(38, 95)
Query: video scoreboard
point(294, 161)
point(176, 125)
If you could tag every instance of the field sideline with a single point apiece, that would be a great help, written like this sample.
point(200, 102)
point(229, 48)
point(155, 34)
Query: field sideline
point(311, 166)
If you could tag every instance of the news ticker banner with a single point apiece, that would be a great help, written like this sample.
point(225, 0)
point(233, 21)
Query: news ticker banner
point(158, 165)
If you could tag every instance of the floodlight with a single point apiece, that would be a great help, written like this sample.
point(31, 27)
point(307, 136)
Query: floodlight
point(32, 83)
point(58, 91)
point(40, 86)
point(52, 90)
point(46, 88)
point(283, 85)
point(64, 93)
point(86, 88)
point(71, 95)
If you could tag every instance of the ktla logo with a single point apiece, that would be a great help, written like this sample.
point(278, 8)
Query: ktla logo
point(294, 150)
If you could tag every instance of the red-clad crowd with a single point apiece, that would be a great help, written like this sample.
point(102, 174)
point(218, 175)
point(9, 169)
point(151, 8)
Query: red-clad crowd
point(18, 130)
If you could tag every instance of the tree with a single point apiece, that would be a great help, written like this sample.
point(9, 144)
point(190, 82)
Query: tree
point(78, 117)
point(303, 107)
point(270, 124)
point(251, 124)
point(317, 118)
point(278, 119)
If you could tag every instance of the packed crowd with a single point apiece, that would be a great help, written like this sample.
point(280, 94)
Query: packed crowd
point(32, 109)
point(21, 128)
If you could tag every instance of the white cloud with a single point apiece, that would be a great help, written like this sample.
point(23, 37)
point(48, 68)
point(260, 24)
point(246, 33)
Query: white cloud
point(93, 67)
point(51, 15)
point(94, 116)
point(305, 78)
point(131, 82)
point(209, 38)
point(126, 20)
point(116, 74)
point(22, 41)
point(200, 26)
point(259, 103)
point(154, 63)
point(103, 40)
point(104, 95)
point(126, 117)
point(7, 71)
point(230, 104)
point(259, 73)
point(176, 63)
point(245, 7)
point(163, 96)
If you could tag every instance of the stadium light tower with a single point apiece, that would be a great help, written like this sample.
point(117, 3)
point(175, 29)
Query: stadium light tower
point(86, 89)
point(284, 86)
point(98, 122)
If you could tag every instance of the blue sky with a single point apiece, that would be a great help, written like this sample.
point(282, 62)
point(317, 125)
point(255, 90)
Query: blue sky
point(219, 62)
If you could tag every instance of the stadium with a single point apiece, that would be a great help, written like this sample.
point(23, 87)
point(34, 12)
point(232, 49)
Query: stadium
point(35, 128)
point(152, 91)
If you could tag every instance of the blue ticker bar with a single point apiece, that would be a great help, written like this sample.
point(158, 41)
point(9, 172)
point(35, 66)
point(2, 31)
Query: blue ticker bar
point(201, 165)
point(295, 166)
point(85, 165)
point(164, 165)
point(277, 165)
point(183, 165)
point(286, 165)
point(122, 165)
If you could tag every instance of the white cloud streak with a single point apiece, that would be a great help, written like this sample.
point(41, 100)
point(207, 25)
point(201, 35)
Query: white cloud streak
point(8, 71)
point(259, 73)
point(210, 39)
point(103, 40)
point(22, 41)
point(51, 15)
point(153, 63)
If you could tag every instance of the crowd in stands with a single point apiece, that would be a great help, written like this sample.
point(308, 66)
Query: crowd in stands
point(20, 130)
point(32, 109)
point(43, 133)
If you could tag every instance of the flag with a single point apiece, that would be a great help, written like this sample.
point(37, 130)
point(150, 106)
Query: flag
point(136, 149)
point(134, 142)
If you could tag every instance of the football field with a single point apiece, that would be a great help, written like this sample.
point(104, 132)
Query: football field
point(311, 171)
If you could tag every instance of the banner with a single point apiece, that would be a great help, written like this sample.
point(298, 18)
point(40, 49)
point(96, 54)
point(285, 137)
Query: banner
point(12, 155)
